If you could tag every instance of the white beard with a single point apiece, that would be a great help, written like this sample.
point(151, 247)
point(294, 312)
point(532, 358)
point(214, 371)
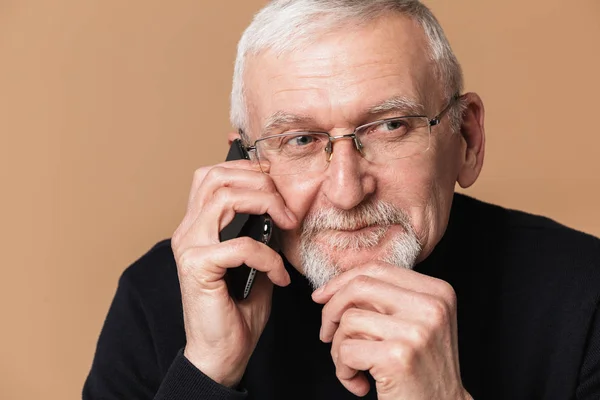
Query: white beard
point(317, 264)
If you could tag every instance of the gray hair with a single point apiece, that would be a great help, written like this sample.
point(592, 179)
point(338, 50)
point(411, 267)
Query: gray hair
point(288, 25)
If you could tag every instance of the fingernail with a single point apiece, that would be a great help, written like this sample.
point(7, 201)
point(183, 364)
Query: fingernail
point(321, 334)
point(289, 279)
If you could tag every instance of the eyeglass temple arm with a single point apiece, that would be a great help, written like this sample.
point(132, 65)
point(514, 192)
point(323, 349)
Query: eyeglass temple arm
point(244, 137)
point(436, 120)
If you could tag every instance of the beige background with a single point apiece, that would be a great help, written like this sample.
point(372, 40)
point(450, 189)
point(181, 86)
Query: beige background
point(107, 107)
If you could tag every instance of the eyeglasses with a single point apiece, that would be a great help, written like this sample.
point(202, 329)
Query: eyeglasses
point(293, 153)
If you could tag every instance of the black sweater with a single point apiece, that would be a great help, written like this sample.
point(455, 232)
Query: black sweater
point(528, 291)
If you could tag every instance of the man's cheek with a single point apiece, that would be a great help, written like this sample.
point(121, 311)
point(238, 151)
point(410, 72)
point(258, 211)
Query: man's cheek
point(409, 187)
point(299, 194)
point(413, 190)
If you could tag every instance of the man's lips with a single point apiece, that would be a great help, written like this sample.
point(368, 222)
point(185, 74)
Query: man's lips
point(360, 229)
point(358, 239)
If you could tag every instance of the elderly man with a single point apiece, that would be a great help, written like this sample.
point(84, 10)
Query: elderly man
point(387, 284)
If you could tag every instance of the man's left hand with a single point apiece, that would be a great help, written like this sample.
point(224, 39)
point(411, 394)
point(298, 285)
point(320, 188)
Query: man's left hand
point(397, 324)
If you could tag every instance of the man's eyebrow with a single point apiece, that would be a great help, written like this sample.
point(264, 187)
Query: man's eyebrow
point(282, 119)
point(401, 104)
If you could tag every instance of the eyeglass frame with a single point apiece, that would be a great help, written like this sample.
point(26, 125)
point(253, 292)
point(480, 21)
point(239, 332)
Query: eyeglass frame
point(359, 146)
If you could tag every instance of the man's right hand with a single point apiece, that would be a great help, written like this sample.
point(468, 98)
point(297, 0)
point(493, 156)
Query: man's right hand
point(221, 333)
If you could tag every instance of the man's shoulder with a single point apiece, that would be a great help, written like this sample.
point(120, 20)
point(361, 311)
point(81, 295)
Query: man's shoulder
point(532, 242)
point(510, 223)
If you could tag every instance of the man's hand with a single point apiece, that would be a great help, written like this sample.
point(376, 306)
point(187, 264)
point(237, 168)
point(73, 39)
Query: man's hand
point(397, 324)
point(220, 333)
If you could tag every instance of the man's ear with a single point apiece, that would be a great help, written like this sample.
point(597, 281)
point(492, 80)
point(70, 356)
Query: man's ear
point(473, 134)
point(231, 136)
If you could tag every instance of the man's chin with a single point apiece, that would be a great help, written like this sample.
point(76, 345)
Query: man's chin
point(345, 260)
point(327, 255)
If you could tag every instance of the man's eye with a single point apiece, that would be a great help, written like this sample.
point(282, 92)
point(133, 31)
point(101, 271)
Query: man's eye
point(394, 125)
point(301, 140)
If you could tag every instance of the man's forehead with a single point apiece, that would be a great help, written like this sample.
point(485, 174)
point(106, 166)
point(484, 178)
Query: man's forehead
point(382, 61)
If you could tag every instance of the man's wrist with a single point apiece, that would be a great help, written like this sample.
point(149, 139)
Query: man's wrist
point(230, 381)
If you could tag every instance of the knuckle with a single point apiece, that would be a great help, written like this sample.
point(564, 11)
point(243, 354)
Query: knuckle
point(267, 184)
point(276, 260)
point(361, 283)
point(419, 337)
point(400, 355)
point(175, 240)
point(222, 195)
point(445, 291)
point(214, 173)
point(244, 244)
point(200, 174)
point(385, 385)
point(274, 201)
point(448, 293)
point(396, 354)
point(187, 261)
point(349, 317)
point(437, 312)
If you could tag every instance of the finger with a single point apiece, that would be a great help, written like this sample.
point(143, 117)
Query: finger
point(261, 294)
point(357, 355)
point(358, 384)
point(390, 363)
point(224, 175)
point(392, 274)
point(372, 294)
point(369, 325)
point(207, 265)
point(207, 180)
point(200, 173)
point(352, 379)
point(262, 288)
point(357, 323)
point(228, 201)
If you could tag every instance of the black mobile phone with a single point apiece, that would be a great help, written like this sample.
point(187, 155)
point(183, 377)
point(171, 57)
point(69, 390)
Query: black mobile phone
point(259, 227)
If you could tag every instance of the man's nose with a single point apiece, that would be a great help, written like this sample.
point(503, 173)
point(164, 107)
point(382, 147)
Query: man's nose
point(347, 181)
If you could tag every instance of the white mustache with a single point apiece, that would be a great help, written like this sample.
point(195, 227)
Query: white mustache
point(374, 214)
point(365, 215)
